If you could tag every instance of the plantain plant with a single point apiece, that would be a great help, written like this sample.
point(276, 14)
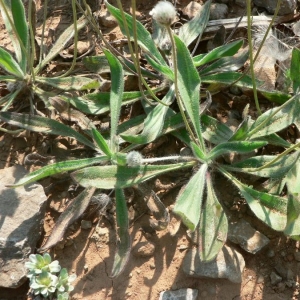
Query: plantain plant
point(117, 165)
point(21, 74)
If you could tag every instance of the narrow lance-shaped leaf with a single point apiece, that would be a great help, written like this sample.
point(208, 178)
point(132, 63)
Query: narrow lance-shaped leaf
point(295, 69)
point(190, 30)
point(227, 78)
point(154, 122)
point(189, 203)
point(57, 168)
point(198, 152)
point(161, 69)
point(9, 64)
point(61, 42)
point(145, 40)
point(292, 180)
point(74, 210)
point(18, 31)
point(101, 142)
point(213, 225)
point(293, 176)
point(113, 176)
point(277, 118)
point(188, 84)
point(99, 64)
point(215, 131)
point(293, 216)
point(116, 93)
point(226, 64)
point(98, 103)
point(254, 165)
point(8, 99)
point(123, 243)
point(269, 208)
point(46, 125)
point(20, 23)
point(75, 83)
point(222, 51)
point(239, 147)
point(275, 96)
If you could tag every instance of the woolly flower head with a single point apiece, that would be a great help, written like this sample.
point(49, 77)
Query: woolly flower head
point(164, 13)
point(134, 159)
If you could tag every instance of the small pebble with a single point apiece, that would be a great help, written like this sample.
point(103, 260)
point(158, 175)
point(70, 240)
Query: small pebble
point(69, 242)
point(271, 253)
point(107, 20)
point(86, 268)
point(297, 256)
point(86, 224)
point(281, 287)
point(289, 274)
point(275, 279)
point(283, 253)
point(260, 279)
point(290, 283)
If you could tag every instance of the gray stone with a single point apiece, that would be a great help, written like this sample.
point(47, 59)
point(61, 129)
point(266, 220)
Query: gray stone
point(86, 224)
point(275, 279)
point(286, 7)
point(281, 269)
point(218, 11)
point(228, 264)
point(247, 237)
point(21, 213)
point(107, 20)
point(192, 9)
point(182, 294)
point(271, 253)
point(289, 274)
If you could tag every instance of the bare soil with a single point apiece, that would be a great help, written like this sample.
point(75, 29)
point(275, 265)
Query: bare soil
point(89, 252)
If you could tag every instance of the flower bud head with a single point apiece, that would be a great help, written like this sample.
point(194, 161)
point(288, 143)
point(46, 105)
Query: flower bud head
point(164, 13)
point(134, 159)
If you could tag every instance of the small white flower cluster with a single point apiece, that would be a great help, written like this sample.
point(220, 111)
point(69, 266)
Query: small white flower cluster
point(44, 279)
point(164, 13)
point(134, 159)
